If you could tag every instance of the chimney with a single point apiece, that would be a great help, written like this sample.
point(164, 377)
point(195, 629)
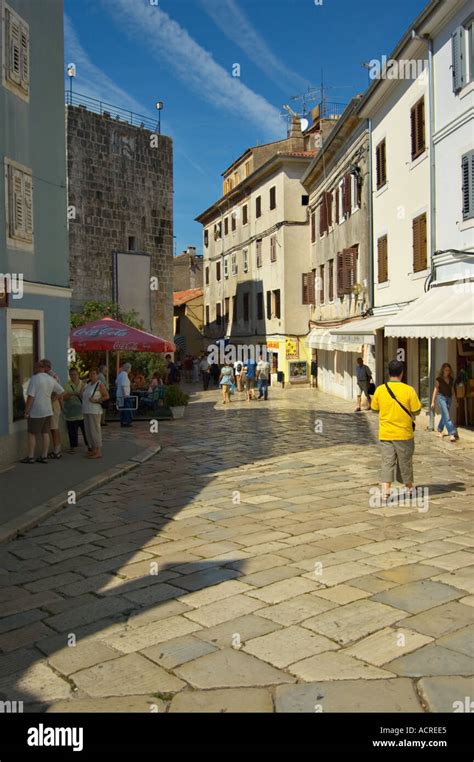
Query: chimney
point(295, 127)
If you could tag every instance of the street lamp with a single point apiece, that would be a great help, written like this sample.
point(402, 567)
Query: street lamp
point(71, 72)
point(159, 107)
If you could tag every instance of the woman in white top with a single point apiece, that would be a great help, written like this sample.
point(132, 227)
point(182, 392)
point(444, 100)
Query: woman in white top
point(92, 395)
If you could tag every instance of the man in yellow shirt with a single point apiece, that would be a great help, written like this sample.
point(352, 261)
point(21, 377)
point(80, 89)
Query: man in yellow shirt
point(397, 404)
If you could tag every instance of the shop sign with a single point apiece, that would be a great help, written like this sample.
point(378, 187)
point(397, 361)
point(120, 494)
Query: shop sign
point(292, 349)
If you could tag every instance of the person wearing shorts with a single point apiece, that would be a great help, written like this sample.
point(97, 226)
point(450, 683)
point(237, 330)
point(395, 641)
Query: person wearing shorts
point(39, 411)
point(364, 377)
point(55, 454)
point(397, 404)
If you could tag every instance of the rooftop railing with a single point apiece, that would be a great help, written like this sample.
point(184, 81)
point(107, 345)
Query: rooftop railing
point(108, 109)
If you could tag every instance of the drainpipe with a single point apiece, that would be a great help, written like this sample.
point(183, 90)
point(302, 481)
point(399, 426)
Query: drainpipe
point(371, 222)
point(431, 342)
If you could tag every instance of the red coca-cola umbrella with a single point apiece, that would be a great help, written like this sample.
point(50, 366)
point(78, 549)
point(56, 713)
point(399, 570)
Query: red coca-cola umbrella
point(110, 335)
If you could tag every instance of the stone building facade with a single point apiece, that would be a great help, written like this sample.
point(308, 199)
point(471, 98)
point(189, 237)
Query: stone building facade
point(120, 210)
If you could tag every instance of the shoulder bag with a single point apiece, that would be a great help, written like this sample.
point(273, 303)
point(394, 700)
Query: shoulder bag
point(413, 424)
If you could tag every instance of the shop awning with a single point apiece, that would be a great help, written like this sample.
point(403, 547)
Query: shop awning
point(323, 338)
point(444, 312)
point(319, 338)
point(360, 332)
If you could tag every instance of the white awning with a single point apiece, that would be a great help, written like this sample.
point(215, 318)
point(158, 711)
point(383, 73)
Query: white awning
point(322, 338)
point(444, 312)
point(360, 331)
point(319, 338)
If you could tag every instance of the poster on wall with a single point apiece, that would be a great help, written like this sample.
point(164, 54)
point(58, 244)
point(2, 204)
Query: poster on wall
point(298, 372)
point(131, 284)
point(292, 349)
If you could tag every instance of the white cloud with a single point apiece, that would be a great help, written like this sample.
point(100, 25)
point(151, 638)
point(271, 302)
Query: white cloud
point(231, 20)
point(92, 81)
point(165, 39)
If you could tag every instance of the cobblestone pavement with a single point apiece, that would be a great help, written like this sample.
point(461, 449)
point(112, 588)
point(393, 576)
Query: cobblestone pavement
point(247, 568)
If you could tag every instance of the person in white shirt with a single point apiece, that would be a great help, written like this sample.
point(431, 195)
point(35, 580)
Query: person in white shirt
point(39, 410)
point(204, 369)
point(92, 395)
point(238, 370)
point(122, 384)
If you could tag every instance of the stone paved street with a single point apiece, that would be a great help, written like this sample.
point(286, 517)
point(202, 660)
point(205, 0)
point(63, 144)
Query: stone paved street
point(245, 568)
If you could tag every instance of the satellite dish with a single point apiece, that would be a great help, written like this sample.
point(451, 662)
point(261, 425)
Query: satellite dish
point(304, 124)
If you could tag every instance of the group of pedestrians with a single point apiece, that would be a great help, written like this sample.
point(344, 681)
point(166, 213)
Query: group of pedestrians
point(245, 377)
point(82, 405)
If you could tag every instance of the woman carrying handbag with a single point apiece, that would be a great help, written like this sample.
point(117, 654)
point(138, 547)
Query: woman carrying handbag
point(93, 396)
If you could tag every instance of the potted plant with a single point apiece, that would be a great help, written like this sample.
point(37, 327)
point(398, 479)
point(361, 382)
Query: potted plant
point(176, 400)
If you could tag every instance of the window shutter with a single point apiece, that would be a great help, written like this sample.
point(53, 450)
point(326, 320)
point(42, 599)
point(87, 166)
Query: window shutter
point(381, 168)
point(25, 59)
point(305, 299)
point(28, 206)
point(329, 209)
point(313, 226)
point(349, 269)
point(311, 288)
point(458, 59)
point(17, 211)
point(468, 185)
point(337, 205)
point(419, 244)
point(331, 280)
point(378, 173)
point(321, 284)
point(340, 273)
point(417, 118)
point(382, 257)
point(14, 49)
point(347, 193)
point(323, 226)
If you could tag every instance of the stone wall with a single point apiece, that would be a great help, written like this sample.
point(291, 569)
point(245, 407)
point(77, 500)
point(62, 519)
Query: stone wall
point(120, 187)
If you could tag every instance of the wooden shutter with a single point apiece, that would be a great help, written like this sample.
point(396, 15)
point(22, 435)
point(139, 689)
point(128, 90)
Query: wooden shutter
point(269, 305)
point(458, 59)
point(329, 208)
point(417, 119)
point(14, 48)
point(206, 238)
point(321, 286)
point(349, 269)
point(25, 59)
point(244, 214)
point(381, 164)
point(331, 280)
point(468, 185)
point(382, 259)
point(313, 226)
point(273, 251)
point(340, 273)
point(337, 205)
point(17, 214)
point(348, 194)
point(28, 206)
point(325, 216)
point(419, 244)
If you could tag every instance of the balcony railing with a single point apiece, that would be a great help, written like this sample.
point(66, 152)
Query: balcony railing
point(108, 109)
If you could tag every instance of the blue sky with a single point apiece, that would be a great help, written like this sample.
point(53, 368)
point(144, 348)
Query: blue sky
point(132, 53)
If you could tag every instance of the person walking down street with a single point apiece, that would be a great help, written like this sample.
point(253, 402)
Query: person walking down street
point(93, 394)
point(238, 368)
point(364, 378)
point(55, 454)
point(172, 372)
point(195, 370)
point(204, 370)
point(39, 410)
point(397, 404)
point(72, 409)
point(250, 378)
point(215, 373)
point(226, 380)
point(188, 368)
point(443, 395)
point(122, 385)
point(263, 377)
point(314, 374)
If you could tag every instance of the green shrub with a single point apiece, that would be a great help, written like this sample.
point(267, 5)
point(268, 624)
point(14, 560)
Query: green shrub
point(175, 397)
